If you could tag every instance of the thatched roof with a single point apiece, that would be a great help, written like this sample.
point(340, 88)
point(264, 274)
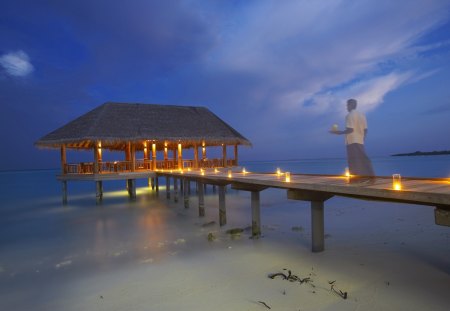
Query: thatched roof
point(114, 124)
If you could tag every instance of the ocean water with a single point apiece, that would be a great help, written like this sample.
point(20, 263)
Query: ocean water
point(44, 245)
point(421, 166)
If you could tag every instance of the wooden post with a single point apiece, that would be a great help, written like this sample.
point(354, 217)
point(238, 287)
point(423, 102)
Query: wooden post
point(201, 199)
point(128, 155)
point(175, 190)
point(132, 189)
point(133, 157)
point(157, 184)
point(153, 156)
point(195, 156)
point(63, 159)
point(222, 207)
point(180, 157)
point(317, 200)
point(146, 154)
point(64, 192)
point(224, 155)
point(167, 187)
point(256, 215)
point(96, 157)
point(98, 192)
point(166, 155)
point(317, 223)
point(186, 193)
point(236, 160)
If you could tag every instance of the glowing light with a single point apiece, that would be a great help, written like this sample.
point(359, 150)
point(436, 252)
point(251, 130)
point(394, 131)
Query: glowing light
point(278, 172)
point(397, 182)
point(229, 174)
point(216, 170)
point(181, 172)
point(347, 172)
point(288, 176)
point(189, 169)
point(244, 171)
point(171, 171)
point(202, 172)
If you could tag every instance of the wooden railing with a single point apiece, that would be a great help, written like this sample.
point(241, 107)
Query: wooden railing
point(126, 166)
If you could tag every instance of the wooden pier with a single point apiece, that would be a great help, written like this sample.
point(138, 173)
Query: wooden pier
point(316, 189)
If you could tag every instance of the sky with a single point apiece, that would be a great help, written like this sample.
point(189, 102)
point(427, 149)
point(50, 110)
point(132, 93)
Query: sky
point(279, 72)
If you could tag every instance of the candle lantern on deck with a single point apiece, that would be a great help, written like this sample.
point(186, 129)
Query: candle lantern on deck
point(288, 176)
point(347, 172)
point(397, 182)
point(229, 174)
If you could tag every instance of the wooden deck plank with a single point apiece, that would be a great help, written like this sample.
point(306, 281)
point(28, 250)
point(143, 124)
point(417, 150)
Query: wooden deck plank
point(381, 189)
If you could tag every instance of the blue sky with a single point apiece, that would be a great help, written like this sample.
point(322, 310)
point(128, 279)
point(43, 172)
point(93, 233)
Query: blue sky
point(277, 71)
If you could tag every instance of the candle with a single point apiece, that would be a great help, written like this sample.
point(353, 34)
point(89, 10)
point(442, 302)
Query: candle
point(347, 172)
point(202, 172)
point(229, 173)
point(397, 182)
point(278, 172)
point(288, 177)
point(244, 171)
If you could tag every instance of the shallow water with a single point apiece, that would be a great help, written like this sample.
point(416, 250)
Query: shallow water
point(47, 251)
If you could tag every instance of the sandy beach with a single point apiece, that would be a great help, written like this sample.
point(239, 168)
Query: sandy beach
point(153, 254)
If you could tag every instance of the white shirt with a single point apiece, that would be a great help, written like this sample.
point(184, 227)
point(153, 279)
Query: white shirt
point(357, 122)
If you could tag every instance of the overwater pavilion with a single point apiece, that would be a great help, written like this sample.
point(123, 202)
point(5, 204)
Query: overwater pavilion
point(147, 128)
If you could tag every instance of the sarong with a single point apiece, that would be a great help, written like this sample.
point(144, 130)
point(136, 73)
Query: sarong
point(358, 162)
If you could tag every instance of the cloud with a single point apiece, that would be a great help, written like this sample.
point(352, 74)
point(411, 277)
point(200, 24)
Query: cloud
point(16, 64)
point(310, 53)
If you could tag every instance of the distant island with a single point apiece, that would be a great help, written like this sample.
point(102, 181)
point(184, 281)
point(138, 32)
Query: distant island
point(421, 153)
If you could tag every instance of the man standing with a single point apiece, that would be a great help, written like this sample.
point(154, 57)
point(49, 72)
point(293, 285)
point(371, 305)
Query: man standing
point(355, 133)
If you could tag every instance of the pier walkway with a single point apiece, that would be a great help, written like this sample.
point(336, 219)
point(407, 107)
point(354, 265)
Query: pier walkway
point(316, 189)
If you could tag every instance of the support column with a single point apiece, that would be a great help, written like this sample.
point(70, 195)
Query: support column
point(224, 155)
point(195, 156)
point(96, 158)
point(317, 225)
point(167, 187)
point(222, 207)
point(317, 199)
point(63, 159)
point(186, 193)
point(133, 189)
point(175, 190)
point(153, 156)
point(166, 155)
point(236, 160)
point(98, 192)
point(64, 192)
point(133, 157)
point(180, 157)
point(201, 199)
point(157, 184)
point(256, 215)
point(128, 155)
point(146, 158)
